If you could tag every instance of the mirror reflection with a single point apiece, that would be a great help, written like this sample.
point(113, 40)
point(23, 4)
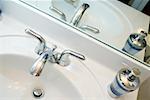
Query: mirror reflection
point(108, 21)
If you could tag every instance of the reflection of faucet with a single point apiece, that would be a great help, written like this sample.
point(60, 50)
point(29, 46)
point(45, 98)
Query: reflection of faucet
point(56, 10)
point(78, 15)
point(48, 54)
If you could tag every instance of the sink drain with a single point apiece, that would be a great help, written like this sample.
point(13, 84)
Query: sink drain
point(38, 93)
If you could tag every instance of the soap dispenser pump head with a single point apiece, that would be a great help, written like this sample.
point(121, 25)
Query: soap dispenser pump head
point(135, 72)
point(126, 81)
point(135, 43)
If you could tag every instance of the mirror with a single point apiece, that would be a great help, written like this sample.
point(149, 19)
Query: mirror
point(103, 21)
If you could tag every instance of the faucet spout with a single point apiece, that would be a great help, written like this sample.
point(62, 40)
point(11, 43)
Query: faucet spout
point(40, 63)
point(79, 13)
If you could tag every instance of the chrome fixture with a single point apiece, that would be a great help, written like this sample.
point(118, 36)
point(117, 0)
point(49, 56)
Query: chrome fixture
point(42, 46)
point(42, 50)
point(78, 15)
point(63, 58)
point(53, 8)
point(63, 16)
point(38, 93)
point(39, 64)
point(90, 28)
point(49, 54)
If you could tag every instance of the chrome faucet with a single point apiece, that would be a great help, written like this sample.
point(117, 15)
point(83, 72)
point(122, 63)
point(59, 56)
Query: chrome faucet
point(40, 63)
point(49, 54)
point(42, 50)
point(78, 15)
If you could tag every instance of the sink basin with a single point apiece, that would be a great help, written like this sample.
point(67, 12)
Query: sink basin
point(17, 83)
point(74, 82)
point(58, 83)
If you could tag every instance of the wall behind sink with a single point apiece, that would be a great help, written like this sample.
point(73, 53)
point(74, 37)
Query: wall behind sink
point(145, 9)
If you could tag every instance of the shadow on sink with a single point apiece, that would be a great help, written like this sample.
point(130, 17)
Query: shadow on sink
point(144, 91)
point(17, 83)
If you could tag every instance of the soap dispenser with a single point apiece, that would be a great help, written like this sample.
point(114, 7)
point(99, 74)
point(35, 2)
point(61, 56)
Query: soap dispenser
point(135, 43)
point(126, 81)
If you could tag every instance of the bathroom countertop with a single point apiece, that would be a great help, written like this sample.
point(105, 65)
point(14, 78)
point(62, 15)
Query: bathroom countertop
point(9, 25)
point(102, 73)
point(102, 61)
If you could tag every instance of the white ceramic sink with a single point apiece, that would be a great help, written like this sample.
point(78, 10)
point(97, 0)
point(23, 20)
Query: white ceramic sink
point(74, 82)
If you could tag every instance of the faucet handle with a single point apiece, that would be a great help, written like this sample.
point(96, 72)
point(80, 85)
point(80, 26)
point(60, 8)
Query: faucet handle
point(41, 47)
point(56, 10)
point(63, 16)
point(63, 58)
point(90, 28)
